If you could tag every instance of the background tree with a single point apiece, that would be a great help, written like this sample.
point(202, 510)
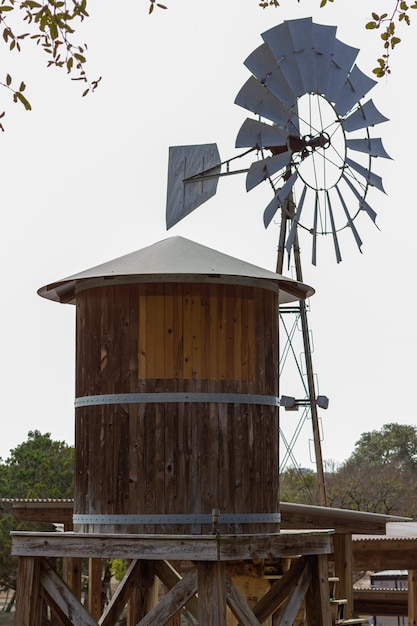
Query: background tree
point(37, 468)
point(380, 475)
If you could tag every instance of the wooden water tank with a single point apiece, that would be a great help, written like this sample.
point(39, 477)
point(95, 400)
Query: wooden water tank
point(176, 417)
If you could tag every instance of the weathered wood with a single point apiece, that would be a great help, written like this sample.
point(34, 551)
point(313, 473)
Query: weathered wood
point(28, 597)
point(61, 598)
point(343, 570)
point(173, 547)
point(278, 545)
point(72, 574)
point(380, 602)
point(211, 594)
point(144, 594)
point(295, 597)
point(170, 577)
point(317, 600)
point(121, 595)
point(238, 605)
point(157, 337)
point(412, 597)
point(384, 553)
point(58, 513)
point(94, 587)
point(279, 591)
point(173, 601)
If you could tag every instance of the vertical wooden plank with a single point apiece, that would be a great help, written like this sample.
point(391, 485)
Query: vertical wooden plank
point(237, 334)
point(317, 601)
point(144, 595)
point(187, 333)
point(159, 333)
point(251, 341)
point(94, 587)
point(168, 331)
point(72, 567)
point(28, 592)
point(244, 337)
point(142, 335)
point(222, 333)
point(343, 570)
point(211, 594)
point(196, 332)
point(214, 333)
point(412, 597)
point(178, 330)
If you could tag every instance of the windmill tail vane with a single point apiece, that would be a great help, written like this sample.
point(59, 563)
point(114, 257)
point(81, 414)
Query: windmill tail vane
point(310, 133)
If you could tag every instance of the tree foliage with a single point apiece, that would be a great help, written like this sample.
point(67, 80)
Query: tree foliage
point(380, 474)
point(52, 25)
point(37, 468)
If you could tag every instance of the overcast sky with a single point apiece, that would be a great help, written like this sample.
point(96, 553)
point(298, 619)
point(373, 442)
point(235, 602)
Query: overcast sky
point(83, 181)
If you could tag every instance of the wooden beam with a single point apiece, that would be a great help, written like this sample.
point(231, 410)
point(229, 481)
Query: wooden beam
point(412, 597)
point(94, 587)
point(300, 517)
point(380, 602)
point(238, 605)
point(62, 600)
point(317, 601)
point(295, 598)
point(173, 601)
point(121, 595)
point(144, 594)
point(279, 591)
point(211, 594)
point(28, 597)
point(343, 571)
point(170, 577)
point(173, 547)
point(72, 574)
point(43, 512)
point(384, 553)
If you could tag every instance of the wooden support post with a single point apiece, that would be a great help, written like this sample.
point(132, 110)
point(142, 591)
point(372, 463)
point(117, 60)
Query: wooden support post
point(318, 611)
point(296, 597)
point(170, 577)
point(94, 587)
point(28, 597)
point(170, 604)
point(72, 567)
point(343, 571)
point(412, 597)
point(238, 605)
point(211, 594)
point(62, 601)
point(144, 595)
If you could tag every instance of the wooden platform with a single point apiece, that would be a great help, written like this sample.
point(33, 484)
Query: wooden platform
point(207, 588)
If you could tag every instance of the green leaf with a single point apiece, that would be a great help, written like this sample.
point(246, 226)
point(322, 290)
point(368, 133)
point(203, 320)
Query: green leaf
point(80, 57)
point(8, 80)
point(22, 86)
point(23, 100)
point(371, 25)
point(376, 17)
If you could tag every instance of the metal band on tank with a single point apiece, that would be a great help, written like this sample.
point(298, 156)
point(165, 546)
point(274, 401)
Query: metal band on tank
point(144, 398)
point(197, 518)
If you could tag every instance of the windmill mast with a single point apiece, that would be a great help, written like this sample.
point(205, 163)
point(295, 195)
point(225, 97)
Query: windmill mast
point(287, 217)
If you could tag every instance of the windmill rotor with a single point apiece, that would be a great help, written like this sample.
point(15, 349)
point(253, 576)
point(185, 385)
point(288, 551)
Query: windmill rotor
point(305, 84)
point(311, 136)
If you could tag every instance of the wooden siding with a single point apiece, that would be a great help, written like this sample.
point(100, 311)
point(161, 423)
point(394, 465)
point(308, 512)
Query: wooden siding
point(177, 458)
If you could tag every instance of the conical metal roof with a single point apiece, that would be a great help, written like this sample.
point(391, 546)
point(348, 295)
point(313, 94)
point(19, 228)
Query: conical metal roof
point(175, 259)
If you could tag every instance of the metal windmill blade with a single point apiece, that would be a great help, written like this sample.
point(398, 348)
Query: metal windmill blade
point(304, 72)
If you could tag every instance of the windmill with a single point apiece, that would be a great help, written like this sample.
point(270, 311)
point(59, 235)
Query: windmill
point(310, 138)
